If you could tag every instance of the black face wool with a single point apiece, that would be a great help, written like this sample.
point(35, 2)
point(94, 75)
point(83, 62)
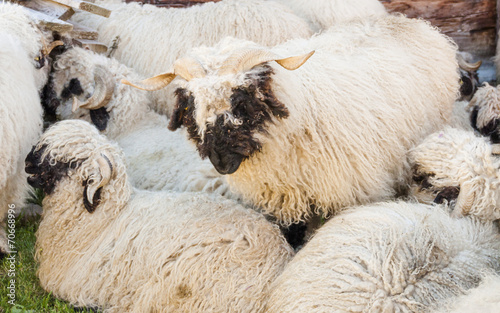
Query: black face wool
point(448, 194)
point(226, 144)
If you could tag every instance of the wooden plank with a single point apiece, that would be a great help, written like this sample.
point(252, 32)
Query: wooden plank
point(50, 8)
point(49, 22)
point(92, 45)
point(471, 23)
point(83, 32)
point(86, 6)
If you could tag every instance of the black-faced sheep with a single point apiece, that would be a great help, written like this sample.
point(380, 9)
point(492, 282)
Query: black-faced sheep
point(485, 115)
point(157, 159)
point(21, 112)
point(332, 133)
point(459, 167)
point(387, 257)
point(103, 244)
point(148, 51)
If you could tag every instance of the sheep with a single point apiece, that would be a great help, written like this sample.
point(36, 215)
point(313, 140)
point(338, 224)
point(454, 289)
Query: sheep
point(386, 257)
point(485, 106)
point(485, 298)
point(21, 115)
point(322, 14)
point(102, 243)
point(157, 158)
point(266, 22)
point(459, 167)
point(332, 133)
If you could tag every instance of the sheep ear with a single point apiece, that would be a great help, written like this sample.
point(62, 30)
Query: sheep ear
point(465, 200)
point(93, 186)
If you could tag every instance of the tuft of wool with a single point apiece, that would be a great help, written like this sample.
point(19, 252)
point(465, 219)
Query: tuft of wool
point(157, 159)
point(486, 101)
point(457, 158)
point(20, 109)
point(369, 93)
point(322, 14)
point(266, 22)
point(143, 251)
point(485, 298)
point(387, 257)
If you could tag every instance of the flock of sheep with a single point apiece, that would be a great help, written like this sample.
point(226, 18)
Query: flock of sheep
point(169, 193)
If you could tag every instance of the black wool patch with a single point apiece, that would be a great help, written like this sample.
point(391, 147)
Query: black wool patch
point(448, 194)
point(43, 175)
point(73, 88)
point(100, 118)
point(473, 118)
point(489, 128)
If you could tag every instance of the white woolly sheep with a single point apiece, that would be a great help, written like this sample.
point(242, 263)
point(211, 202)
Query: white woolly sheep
point(157, 159)
point(332, 133)
point(485, 298)
point(21, 115)
point(386, 257)
point(322, 14)
point(148, 51)
point(459, 167)
point(486, 111)
point(102, 244)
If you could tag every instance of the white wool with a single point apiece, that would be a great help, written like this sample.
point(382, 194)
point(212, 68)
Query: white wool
point(157, 159)
point(484, 299)
point(372, 90)
point(387, 257)
point(460, 116)
point(454, 158)
point(152, 38)
point(142, 251)
point(322, 14)
point(487, 101)
point(20, 109)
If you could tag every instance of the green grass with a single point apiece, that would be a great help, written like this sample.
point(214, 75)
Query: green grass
point(30, 297)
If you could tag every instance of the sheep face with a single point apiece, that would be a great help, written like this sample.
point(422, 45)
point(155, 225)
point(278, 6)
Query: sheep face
point(485, 115)
point(78, 80)
point(73, 152)
point(227, 120)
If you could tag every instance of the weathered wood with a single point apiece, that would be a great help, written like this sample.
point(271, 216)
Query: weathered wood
point(92, 45)
point(48, 22)
point(471, 23)
point(83, 32)
point(173, 3)
point(50, 8)
point(86, 6)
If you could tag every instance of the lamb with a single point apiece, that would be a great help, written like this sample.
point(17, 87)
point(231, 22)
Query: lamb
point(387, 257)
point(332, 133)
point(459, 167)
point(102, 243)
point(265, 22)
point(485, 298)
point(21, 117)
point(157, 159)
point(322, 14)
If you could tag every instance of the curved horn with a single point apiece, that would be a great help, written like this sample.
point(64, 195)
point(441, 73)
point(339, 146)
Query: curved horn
point(106, 169)
point(103, 91)
point(244, 60)
point(466, 66)
point(187, 68)
point(54, 44)
point(465, 200)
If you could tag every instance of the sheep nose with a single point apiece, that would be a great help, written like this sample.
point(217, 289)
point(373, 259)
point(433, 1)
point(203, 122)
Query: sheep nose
point(225, 163)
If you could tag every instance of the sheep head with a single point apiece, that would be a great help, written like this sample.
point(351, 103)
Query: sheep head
point(80, 81)
point(469, 80)
point(225, 106)
point(456, 166)
point(485, 115)
point(75, 150)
